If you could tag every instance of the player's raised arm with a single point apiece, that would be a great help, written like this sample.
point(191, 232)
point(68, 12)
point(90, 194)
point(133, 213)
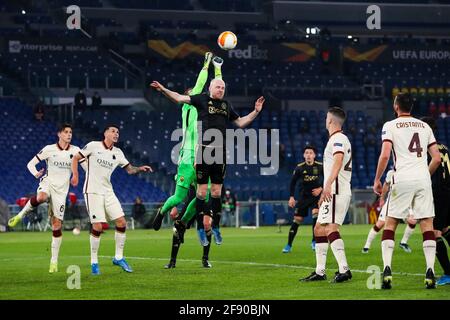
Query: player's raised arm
point(134, 170)
point(243, 122)
point(32, 168)
point(172, 95)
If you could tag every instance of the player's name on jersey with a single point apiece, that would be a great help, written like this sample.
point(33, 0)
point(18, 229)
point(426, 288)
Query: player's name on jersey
point(410, 124)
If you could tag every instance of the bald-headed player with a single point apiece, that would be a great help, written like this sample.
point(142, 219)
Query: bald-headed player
point(214, 113)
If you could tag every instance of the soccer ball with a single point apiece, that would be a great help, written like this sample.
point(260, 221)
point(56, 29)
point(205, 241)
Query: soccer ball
point(76, 231)
point(227, 40)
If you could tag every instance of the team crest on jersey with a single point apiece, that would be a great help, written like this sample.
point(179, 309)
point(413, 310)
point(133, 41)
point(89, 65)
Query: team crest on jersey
point(315, 171)
point(181, 178)
point(223, 105)
point(114, 157)
point(71, 156)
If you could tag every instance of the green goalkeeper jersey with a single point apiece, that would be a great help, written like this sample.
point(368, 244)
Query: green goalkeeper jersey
point(190, 115)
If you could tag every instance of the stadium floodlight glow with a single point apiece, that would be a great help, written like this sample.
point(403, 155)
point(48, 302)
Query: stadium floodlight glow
point(349, 36)
point(24, 12)
point(307, 36)
point(314, 30)
point(308, 30)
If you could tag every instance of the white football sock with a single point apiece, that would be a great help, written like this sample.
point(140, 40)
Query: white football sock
point(95, 244)
point(321, 257)
point(370, 237)
point(120, 243)
point(339, 253)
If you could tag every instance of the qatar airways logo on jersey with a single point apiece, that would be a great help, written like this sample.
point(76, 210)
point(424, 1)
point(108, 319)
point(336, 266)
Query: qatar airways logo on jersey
point(105, 163)
point(62, 164)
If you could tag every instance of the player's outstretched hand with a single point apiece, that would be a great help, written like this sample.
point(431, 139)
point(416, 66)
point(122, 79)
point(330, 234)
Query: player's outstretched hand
point(145, 169)
point(74, 181)
point(156, 85)
point(40, 173)
point(377, 187)
point(259, 104)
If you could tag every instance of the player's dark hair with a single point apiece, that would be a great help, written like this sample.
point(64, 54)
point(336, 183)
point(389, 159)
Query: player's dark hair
point(63, 127)
point(111, 125)
point(310, 147)
point(431, 122)
point(337, 112)
point(404, 101)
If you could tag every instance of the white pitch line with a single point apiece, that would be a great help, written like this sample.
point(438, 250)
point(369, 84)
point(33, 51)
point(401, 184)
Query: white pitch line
point(247, 263)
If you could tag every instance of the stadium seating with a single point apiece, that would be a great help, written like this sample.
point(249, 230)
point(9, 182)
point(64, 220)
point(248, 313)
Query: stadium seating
point(22, 137)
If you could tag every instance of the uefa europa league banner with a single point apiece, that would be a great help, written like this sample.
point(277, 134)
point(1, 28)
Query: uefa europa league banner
point(396, 53)
point(301, 52)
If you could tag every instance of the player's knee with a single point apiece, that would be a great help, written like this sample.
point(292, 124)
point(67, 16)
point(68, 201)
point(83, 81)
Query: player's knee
point(56, 223)
point(121, 222)
point(97, 229)
point(41, 197)
point(298, 220)
point(331, 227)
point(201, 193)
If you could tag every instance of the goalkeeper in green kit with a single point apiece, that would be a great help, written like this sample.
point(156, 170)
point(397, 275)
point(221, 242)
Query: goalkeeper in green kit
point(186, 174)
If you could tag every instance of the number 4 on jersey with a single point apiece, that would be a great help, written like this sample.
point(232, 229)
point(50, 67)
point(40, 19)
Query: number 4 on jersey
point(414, 145)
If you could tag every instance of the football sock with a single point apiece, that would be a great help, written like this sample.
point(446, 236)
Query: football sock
point(337, 246)
point(387, 247)
point(56, 244)
point(429, 248)
point(442, 255)
point(95, 244)
point(408, 232)
point(292, 232)
point(120, 237)
point(321, 254)
point(371, 236)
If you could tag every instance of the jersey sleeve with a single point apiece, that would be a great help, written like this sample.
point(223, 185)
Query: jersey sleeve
point(386, 133)
point(338, 146)
point(123, 162)
point(43, 154)
point(198, 101)
point(233, 114)
point(87, 150)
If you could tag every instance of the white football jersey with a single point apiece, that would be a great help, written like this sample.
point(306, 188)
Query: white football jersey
point(101, 162)
point(59, 165)
point(410, 138)
point(338, 143)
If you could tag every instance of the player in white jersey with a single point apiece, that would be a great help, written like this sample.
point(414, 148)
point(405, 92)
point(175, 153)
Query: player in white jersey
point(408, 139)
point(102, 159)
point(411, 222)
point(53, 186)
point(335, 199)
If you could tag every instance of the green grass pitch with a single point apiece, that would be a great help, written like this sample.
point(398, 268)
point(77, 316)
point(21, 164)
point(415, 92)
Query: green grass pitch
point(248, 265)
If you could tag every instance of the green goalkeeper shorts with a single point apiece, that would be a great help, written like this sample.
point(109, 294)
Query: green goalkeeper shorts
point(186, 172)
